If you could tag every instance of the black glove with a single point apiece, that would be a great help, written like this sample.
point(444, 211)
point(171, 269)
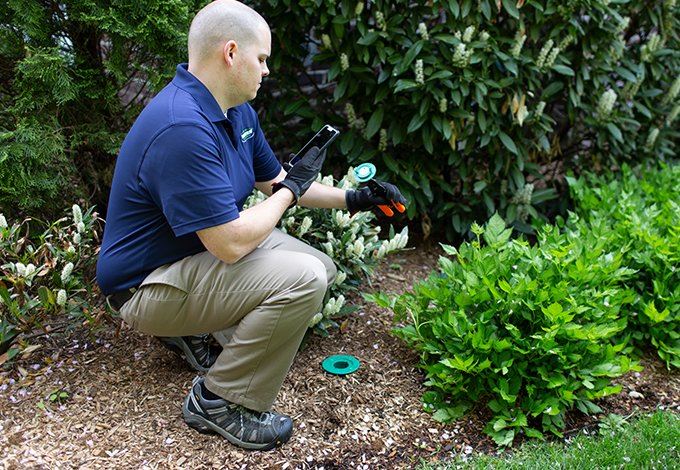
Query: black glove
point(301, 176)
point(377, 193)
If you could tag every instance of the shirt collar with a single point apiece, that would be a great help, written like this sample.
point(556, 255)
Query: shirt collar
point(192, 85)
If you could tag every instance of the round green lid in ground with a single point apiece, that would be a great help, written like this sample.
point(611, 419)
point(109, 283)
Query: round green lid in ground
point(340, 364)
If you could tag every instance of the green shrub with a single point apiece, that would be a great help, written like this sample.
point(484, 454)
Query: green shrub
point(73, 78)
point(472, 104)
point(47, 274)
point(526, 330)
point(641, 217)
point(352, 242)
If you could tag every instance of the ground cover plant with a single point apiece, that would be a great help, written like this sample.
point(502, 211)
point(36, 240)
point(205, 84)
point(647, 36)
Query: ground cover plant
point(47, 275)
point(528, 331)
point(647, 442)
point(639, 213)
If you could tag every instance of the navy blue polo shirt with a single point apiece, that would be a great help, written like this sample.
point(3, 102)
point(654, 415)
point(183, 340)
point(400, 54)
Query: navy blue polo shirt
point(183, 167)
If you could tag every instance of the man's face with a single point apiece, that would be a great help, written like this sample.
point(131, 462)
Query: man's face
point(252, 64)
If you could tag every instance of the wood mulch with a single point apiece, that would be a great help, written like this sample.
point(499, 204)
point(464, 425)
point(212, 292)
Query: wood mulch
point(123, 396)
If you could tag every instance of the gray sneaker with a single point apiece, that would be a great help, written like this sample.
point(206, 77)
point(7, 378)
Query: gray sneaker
point(243, 427)
point(195, 349)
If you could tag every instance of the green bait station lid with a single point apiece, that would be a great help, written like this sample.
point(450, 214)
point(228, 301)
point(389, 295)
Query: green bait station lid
point(364, 172)
point(340, 364)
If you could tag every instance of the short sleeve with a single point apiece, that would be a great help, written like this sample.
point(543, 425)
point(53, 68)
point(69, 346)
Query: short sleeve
point(265, 165)
point(187, 178)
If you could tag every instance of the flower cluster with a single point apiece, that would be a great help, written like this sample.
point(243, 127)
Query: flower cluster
point(359, 8)
point(651, 138)
point(420, 76)
point(326, 41)
point(539, 109)
point(344, 62)
point(566, 42)
point(606, 104)
point(382, 144)
point(462, 55)
point(516, 50)
point(333, 306)
point(422, 31)
point(647, 50)
point(672, 92)
point(467, 34)
point(521, 114)
point(631, 89)
point(352, 120)
point(443, 105)
point(523, 201)
point(547, 55)
point(380, 21)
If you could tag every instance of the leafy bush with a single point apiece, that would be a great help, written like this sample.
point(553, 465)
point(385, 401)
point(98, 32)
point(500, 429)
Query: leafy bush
point(74, 76)
point(46, 275)
point(528, 330)
point(352, 242)
point(640, 216)
point(475, 106)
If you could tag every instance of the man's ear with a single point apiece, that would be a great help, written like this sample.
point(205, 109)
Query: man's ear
point(229, 51)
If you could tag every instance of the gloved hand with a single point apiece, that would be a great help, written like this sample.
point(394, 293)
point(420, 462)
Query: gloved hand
point(377, 193)
point(301, 176)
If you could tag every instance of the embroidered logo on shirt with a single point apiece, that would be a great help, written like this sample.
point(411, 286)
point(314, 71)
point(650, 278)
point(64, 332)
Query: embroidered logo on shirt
point(247, 134)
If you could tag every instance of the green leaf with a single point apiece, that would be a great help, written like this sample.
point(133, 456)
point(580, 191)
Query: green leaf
point(441, 415)
point(404, 84)
point(455, 8)
point(486, 9)
point(416, 121)
point(653, 314)
point(551, 89)
point(627, 74)
point(504, 438)
point(369, 39)
point(374, 122)
point(459, 363)
point(511, 7)
point(564, 70)
point(508, 142)
point(534, 433)
point(410, 55)
point(615, 132)
point(495, 232)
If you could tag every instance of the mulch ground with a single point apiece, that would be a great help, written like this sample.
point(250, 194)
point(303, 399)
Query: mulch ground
point(123, 395)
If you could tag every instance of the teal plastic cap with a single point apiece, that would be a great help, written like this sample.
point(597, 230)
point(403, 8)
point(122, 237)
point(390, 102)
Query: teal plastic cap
point(364, 172)
point(340, 364)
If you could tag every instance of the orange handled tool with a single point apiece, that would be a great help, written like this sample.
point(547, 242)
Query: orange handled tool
point(380, 190)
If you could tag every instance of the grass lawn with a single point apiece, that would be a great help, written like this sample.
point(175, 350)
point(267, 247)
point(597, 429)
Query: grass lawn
point(649, 442)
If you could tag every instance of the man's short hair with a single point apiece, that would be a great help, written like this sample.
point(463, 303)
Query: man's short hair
point(219, 22)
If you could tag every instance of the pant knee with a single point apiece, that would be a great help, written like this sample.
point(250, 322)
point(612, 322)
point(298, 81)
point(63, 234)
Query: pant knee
point(329, 267)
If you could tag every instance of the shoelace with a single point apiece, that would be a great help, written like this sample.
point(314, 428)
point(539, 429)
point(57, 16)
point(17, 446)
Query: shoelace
point(201, 346)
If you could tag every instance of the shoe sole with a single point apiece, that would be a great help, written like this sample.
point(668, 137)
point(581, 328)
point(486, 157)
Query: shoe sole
point(205, 426)
point(180, 347)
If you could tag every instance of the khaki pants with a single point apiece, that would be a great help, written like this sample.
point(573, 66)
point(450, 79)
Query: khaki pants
point(270, 295)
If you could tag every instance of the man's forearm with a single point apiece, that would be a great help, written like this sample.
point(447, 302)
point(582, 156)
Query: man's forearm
point(322, 196)
point(232, 241)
